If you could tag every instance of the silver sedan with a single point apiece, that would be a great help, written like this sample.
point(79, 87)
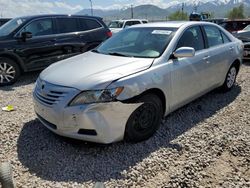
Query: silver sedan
point(123, 88)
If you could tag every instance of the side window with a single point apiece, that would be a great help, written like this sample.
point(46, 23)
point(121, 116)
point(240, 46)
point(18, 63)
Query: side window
point(144, 21)
point(192, 37)
point(136, 22)
point(40, 27)
point(92, 24)
point(67, 25)
point(225, 38)
point(128, 23)
point(213, 34)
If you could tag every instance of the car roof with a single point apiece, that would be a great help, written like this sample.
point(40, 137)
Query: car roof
point(173, 24)
point(58, 15)
point(122, 20)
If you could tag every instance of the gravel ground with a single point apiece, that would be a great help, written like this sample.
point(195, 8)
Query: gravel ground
point(204, 144)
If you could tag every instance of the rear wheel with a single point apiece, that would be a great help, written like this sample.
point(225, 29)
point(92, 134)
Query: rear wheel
point(230, 78)
point(9, 71)
point(145, 120)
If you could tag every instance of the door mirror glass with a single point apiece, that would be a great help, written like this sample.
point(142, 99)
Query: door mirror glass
point(184, 52)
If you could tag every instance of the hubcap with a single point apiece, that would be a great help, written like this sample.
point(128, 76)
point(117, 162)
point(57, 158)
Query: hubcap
point(145, 118)
point(7, 72)
point(231, 77)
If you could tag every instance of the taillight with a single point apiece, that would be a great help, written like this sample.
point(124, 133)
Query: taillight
point(109, 34)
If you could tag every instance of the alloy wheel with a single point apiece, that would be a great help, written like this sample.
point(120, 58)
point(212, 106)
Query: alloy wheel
point(231, 77)
point(7, 72)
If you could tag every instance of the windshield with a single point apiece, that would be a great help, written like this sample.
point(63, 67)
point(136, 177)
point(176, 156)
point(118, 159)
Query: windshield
point(138, 42)
point(10, 26)
point(115, 24)
point(247, 28)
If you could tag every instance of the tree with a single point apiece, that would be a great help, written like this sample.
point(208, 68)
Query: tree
point(178, 15)
point(236, 12)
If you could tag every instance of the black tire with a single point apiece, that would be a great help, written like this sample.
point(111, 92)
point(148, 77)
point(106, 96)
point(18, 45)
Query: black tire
point(230, 79)
point(145, 120)
point(9, 71)
point(6, 176)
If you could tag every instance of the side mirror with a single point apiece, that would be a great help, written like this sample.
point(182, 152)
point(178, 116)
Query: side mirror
point(26, 35)
point(184, 52)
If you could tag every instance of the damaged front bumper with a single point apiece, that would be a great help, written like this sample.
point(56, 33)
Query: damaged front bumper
point(99, 122)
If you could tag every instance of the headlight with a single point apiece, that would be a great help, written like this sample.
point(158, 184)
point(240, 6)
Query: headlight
point(96, 96)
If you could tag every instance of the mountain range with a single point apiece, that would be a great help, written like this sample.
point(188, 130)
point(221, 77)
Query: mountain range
point(218, 8)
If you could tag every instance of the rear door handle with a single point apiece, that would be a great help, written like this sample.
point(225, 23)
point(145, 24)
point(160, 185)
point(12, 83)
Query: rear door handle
point(231, 48)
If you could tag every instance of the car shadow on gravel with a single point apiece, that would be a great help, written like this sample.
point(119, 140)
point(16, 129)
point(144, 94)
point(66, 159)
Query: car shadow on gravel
point(25, 79)
point(54, 158)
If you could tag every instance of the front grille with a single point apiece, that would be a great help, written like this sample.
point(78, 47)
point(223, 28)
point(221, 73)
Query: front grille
point(49, 94)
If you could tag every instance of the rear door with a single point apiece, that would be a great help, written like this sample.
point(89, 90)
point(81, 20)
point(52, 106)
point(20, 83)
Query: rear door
point(220, 50)
point(67, 41)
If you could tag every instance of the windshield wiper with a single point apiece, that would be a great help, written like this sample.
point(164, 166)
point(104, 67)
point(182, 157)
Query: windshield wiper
point(118, 54)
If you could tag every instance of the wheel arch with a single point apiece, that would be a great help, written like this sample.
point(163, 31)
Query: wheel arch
point(237, 65)
point(156, 91)
point(15, 58)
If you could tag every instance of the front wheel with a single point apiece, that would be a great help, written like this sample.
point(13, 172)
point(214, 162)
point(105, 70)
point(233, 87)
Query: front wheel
point(145, 120)
point(9, 71)
point(230, 78)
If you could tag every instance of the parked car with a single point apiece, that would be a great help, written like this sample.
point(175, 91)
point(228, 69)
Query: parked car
point(123, 88)
point(246, 55)
point(4, 20)
point(215, 20)
point(34, 42)
point(244, 36)
point(117, 25)
point(234, 25)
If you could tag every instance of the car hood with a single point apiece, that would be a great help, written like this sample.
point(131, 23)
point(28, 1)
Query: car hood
point(92, 70)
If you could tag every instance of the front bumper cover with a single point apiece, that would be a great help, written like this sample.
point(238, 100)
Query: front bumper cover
point(107, 119)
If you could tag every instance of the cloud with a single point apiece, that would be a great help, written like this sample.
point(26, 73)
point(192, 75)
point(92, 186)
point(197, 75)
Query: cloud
point(14, 8)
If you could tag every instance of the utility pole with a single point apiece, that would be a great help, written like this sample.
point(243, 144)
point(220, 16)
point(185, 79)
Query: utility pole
point(132, 12)
point(182, 10)
point(91, 7)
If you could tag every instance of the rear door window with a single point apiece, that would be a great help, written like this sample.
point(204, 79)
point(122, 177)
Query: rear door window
point(213, 34)
point(67, 25)
point(225, 38)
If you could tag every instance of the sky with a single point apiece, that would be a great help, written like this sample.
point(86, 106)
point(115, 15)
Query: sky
point(14, 8)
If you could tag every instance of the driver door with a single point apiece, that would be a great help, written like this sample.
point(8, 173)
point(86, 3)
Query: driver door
point(37, 51)
point(188, 75)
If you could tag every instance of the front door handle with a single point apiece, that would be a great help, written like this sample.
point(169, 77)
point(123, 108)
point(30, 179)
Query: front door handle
point(206, 57)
